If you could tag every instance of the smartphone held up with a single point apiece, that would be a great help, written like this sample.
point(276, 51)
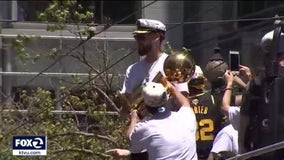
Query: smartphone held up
point(234, 62)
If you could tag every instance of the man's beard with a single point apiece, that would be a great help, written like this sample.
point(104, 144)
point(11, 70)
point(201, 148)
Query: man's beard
point(144, 50)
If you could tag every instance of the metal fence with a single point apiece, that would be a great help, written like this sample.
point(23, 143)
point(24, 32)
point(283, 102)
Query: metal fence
point(259, 151)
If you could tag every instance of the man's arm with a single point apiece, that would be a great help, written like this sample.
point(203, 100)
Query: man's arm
point(239, 81)
point(118, 153)
point(244, 117)
point(247, 74)
point(136, 136)
point(126, 91)
point(229, 78)
point(134, 119)
point(181, 99)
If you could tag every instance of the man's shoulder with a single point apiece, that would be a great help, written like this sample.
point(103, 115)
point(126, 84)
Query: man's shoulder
point(142, 125)
point(164, 56)
point(228, 130)
point(186, 110)
point(137, 65)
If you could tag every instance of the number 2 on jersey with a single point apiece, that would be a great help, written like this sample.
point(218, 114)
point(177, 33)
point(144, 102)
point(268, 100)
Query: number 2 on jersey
point(204, 129)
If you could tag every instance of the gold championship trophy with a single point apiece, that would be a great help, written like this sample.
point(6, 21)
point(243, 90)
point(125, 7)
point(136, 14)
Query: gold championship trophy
point(179, 67)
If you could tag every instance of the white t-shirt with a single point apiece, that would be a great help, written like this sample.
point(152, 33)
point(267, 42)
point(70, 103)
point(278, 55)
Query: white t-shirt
point(142, 71)
point(234, 116)
point(226, 140)
point(168, 136)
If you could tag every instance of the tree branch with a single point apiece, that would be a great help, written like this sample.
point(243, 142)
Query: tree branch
point(84, 134)
point(108, 99)
point(86, 151)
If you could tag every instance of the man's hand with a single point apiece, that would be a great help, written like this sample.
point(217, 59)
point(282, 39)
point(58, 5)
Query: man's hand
point(167, 84)
point(134, 116)
point(229, 78)
point(133, 120)
point(118, 152)
point(246, 72)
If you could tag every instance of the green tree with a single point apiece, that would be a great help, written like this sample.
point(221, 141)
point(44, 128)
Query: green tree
point(69, 136)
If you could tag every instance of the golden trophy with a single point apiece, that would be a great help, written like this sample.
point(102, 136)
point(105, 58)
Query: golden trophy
point(179, 67)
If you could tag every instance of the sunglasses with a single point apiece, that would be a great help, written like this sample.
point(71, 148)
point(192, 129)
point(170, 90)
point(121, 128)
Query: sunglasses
point(140, 36)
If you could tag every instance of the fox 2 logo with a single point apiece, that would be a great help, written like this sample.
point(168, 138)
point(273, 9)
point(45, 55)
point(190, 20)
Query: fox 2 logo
point(29, 142)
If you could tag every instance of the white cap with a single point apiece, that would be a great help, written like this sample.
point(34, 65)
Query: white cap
point(148, 25)
point(154, 94)
point(267, 42)
point(198, 72)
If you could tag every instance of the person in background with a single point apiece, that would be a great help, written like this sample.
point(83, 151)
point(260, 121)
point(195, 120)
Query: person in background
point(214, 72)
point(225, 144)
point(261, 115)
point(208, 114)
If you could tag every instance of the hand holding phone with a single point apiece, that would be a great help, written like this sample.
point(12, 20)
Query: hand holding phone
point(234, 61)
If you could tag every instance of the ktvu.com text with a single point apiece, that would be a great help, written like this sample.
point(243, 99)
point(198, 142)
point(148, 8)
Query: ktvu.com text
point(29, 145)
